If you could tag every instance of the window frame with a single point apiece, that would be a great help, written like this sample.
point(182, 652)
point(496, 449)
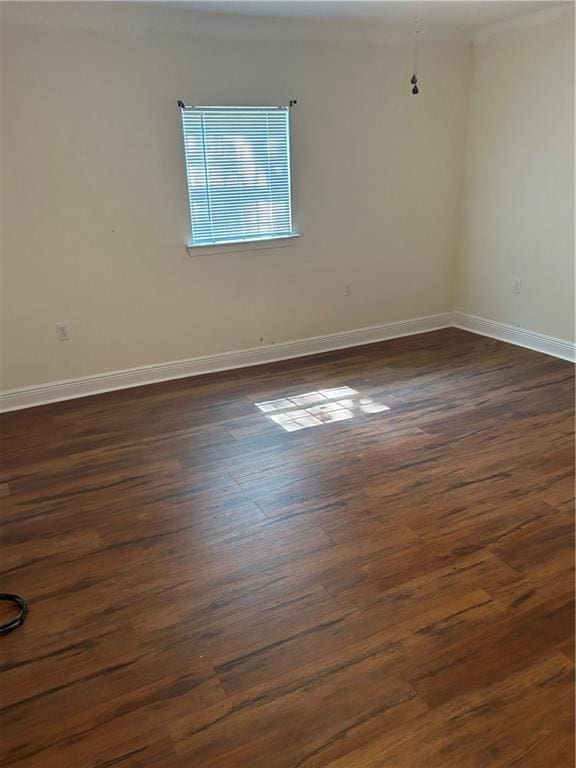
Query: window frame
point(251, 243)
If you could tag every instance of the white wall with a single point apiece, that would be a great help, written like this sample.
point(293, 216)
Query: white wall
point(94, 207)
point(519, 193)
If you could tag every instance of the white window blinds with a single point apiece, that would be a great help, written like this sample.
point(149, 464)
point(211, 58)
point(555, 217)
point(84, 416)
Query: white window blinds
point(238, 170)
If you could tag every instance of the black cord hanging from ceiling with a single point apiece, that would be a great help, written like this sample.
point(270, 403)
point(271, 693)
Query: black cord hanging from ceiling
point(414, 78)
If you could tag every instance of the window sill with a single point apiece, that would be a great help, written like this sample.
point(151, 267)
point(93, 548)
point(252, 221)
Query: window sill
point(238, 247)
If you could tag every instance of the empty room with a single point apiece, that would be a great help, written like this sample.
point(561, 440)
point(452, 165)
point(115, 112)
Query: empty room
point(287, 384)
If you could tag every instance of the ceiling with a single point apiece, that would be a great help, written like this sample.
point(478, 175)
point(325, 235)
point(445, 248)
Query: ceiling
point(459, 14)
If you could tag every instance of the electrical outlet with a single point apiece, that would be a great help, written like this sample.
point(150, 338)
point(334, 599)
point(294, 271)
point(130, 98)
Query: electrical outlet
point(517, 286)
point(348, 291)
point(62, 331)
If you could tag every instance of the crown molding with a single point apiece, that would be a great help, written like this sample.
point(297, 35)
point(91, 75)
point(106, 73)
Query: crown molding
point(143, 19)
point(527, 21)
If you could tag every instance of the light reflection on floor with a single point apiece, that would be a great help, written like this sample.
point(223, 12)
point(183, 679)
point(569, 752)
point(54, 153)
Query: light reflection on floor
point(312, 409)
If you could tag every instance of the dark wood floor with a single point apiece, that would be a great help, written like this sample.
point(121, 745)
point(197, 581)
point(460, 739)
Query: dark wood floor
point(207, 589)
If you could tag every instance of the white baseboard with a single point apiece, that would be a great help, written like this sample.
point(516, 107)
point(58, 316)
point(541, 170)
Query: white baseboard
point(538, 342)
point(69, 389)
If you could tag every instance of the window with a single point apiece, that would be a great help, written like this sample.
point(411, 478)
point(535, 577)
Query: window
point(238, 169)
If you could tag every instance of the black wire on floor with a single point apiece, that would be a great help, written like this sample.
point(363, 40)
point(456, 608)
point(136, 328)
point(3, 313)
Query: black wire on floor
point(20, 618)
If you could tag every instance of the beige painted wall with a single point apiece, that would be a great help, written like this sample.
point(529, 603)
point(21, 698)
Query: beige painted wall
point(94, 207)
point(518, 217)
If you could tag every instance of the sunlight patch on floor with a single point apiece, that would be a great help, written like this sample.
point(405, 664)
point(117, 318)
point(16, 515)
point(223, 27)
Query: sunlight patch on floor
point(324, 406)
